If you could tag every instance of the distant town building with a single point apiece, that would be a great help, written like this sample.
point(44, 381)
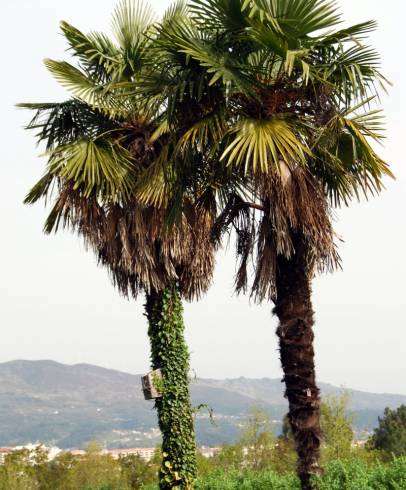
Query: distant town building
point(3, 453)
point(146, 453)
point(360, 443)
point(209, 452)
point(77, 452)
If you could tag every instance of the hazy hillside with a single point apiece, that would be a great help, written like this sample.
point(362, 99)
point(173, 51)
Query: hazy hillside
point(70, 405)
point(271, 391)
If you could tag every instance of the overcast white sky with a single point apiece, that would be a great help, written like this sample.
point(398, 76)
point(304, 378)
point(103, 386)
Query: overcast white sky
point(56, 304)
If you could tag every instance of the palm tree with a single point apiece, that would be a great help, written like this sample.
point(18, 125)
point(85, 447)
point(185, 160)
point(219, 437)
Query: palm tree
point(274, 101)
point(103, 146)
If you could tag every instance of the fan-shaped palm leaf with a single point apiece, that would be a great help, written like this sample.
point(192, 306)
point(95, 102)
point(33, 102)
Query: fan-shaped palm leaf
point(99, 166)
point(86, 88)
point(219, 14)
point(261, 144)
point(97, 53)
point(62, 122)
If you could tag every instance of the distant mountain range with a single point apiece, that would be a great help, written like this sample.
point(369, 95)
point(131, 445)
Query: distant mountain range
point(69, 406)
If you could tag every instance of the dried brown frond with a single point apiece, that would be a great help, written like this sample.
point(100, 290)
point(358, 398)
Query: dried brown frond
point(72, 209)
point(292, 203)
point(137, 247)
point(142, 253)
point(295, 203)
point(238, 214)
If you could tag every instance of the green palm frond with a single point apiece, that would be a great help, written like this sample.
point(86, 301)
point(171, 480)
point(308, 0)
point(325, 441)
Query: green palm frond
point(62, 122)
point(41, 189)
point(373, 167)
point(354, 72)
point(302, 17)
point(162, 129)
point(75, 80)
point(98, 166)
point(220, 66)
point(261, 144)
point(177, 11)
point(131, 21)
point(295, 58)
point(265, 64)
point(348, 164)
point(369, 122)
point(355, 33)
point(206, 134)
point(154, 183)
point(219, 14)
point(291, 59)
point(294, 18)
point(261, 9)
point(84, 87)
point(172, 75)
point(97, 53)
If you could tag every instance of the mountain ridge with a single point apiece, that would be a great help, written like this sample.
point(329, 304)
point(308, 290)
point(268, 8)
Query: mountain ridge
point(202, 380)
point(69, 405)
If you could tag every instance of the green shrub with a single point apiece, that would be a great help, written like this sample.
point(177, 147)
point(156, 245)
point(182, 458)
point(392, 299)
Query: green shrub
point(354, 474)
point(358, 475)
point(248, 481)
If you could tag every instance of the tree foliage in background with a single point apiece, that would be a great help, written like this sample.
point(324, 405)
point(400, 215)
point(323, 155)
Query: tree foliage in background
point(337, 427)
point(31, 470)
point(390, 435)
point(258, 440)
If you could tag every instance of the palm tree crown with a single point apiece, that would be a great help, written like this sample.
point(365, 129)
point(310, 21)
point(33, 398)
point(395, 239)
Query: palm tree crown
point(273, 102)
point(104, 147)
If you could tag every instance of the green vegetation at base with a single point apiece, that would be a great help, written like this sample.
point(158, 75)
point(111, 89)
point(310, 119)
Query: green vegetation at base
point(339, 475)
point(359, 475)
point(95, 471)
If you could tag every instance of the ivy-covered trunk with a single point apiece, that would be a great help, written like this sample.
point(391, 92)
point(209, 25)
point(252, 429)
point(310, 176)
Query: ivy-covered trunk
point(170, 354)
point(295, 313)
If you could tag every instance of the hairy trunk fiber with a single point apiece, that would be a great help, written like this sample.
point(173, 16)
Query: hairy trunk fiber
point(169, 353)
point(294, 310)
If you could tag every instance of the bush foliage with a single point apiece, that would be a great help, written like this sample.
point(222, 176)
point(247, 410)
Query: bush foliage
point(100, 472)
point(354, 474)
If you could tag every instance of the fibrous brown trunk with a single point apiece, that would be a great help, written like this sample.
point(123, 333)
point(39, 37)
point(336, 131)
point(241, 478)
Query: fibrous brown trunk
point(293, 308)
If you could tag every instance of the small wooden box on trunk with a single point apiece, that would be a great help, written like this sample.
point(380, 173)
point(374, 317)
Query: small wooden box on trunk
point(151, 391)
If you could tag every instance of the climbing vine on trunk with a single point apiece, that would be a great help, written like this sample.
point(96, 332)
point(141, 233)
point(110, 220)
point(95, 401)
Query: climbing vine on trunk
point(169, 353)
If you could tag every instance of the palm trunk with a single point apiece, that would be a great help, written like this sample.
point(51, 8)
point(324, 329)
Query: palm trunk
point(169, 353)
point(294, 310)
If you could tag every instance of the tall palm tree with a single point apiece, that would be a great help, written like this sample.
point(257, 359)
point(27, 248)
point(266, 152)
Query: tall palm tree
point(103, 146)
point(278, 111)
